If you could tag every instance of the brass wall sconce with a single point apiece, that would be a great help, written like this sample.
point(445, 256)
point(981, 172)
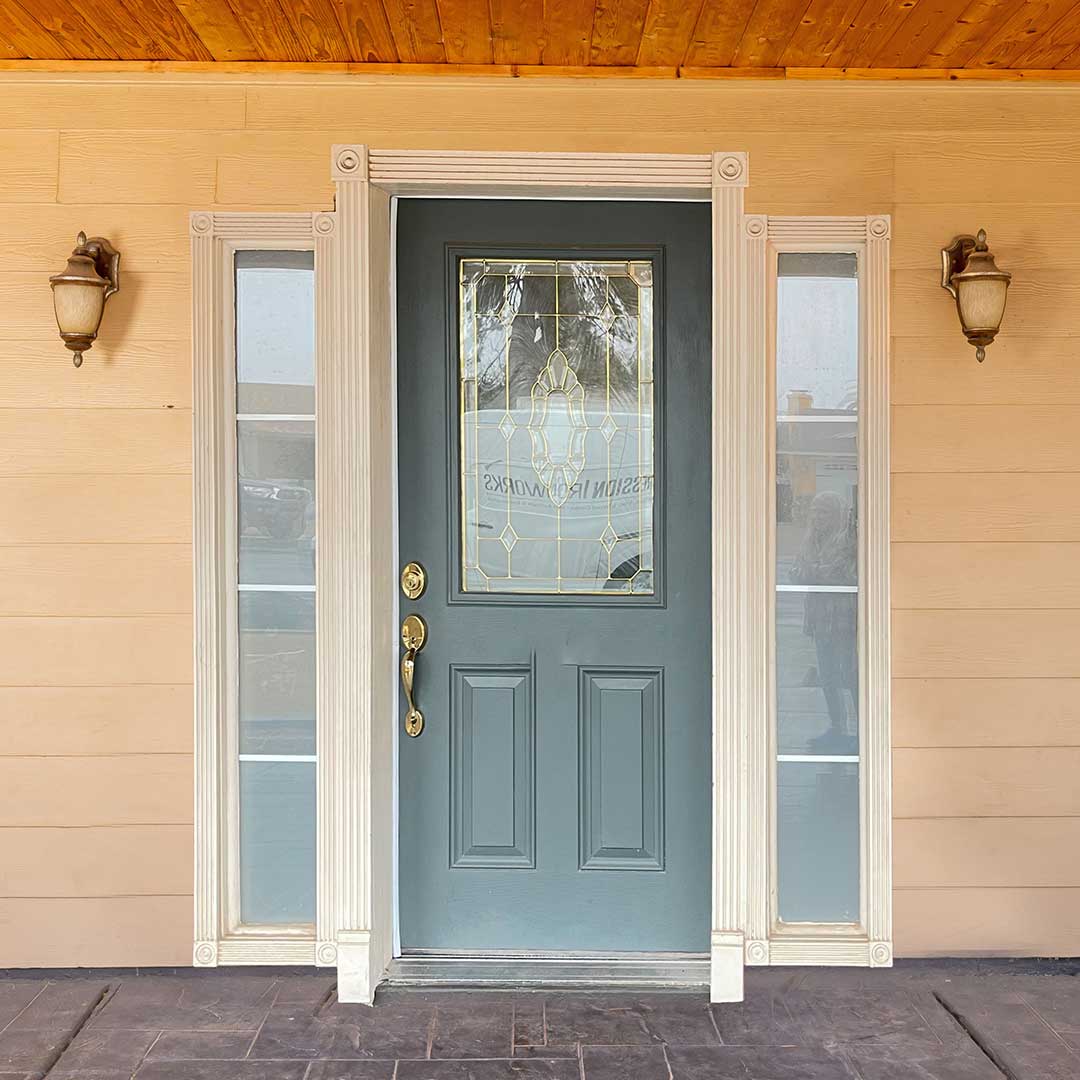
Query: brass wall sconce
point(91, 276)
point(978, 286)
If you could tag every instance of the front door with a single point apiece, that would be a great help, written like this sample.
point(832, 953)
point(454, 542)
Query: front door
point(554, 483)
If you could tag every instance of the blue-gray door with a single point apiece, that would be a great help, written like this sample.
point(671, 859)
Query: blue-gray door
point(554, 479)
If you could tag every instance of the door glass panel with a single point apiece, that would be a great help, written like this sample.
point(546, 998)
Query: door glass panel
point(556, 426)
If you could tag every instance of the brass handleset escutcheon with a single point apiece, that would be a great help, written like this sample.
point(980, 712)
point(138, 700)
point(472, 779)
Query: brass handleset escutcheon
point(413, 636)
point(413, 580)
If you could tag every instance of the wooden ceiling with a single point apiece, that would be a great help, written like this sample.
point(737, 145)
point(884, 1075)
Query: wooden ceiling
point(923, 38)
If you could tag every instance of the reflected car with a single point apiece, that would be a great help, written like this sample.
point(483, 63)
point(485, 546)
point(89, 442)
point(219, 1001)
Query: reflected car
point(276, 507)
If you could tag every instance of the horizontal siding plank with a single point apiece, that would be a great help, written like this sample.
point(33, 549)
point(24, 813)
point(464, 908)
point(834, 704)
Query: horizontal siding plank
point(96, 652)
point(134, 373)
point(96, 579)
point(269, 172)
point(152, 167)
point(977, 575)
point(69, 441)
point(43, 721)
point(148, 308)
point(118, 931)
point(1023, 235)
point(95, 105)
point(989, 782)
point(986, 852)
point(986, 644)
point(121, 860)
point(1040, 302)
point(986, 922)
point(1008, 171)
point(128, 789)
point(149, 238)
point(28, 169)
point(985, 438)
point(1026, 370)
point(96, 509)
point(637, 107)
point(985, 712)
point(983, 506)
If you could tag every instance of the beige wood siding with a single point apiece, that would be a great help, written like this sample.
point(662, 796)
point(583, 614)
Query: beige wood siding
point(95, 465)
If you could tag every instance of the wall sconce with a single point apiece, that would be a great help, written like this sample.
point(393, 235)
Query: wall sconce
point(978, 286)
point(91, 276)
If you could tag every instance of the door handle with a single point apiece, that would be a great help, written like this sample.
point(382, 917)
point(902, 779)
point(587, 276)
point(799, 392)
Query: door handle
point(413, 637)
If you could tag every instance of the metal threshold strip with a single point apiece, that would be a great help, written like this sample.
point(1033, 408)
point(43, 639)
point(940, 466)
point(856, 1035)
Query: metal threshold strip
point(565, 970)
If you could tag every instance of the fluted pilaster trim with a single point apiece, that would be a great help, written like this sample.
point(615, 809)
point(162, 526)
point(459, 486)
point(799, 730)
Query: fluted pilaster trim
point(737, 464)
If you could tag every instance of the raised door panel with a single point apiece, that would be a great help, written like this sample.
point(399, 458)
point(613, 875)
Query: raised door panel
point(621, 770)
point(492, 781)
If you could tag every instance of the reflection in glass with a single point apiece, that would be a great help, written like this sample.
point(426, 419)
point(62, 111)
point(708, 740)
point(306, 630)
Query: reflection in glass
point(817, 673)
point(817, 809)
point(817, 579)
point(817, 333)
point(277, 673)
point(556, 398)
point(275, 332)
point(277, 842)
point(276, 501)
point(817, 517)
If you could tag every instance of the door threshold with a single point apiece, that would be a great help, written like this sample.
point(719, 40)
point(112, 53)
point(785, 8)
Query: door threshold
point(592, 971)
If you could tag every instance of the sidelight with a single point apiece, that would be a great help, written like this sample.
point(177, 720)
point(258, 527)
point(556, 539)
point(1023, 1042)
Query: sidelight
point(816, 610)
point(274, 739)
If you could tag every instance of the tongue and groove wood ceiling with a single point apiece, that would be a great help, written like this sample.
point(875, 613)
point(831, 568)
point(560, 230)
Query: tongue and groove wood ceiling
point(652, 37)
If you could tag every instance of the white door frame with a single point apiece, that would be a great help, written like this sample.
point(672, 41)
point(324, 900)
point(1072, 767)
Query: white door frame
point(358, 559)
point(356, 573)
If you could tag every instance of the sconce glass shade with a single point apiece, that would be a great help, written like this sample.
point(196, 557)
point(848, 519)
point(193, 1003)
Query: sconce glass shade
point(980, 289)
point(80, 291)
point(981, 301)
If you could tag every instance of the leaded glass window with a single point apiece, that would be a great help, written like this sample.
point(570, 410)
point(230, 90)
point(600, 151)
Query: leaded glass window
point(557, 426)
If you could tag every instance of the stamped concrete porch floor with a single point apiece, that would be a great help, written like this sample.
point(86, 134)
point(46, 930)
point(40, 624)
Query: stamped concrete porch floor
point(920, 1021)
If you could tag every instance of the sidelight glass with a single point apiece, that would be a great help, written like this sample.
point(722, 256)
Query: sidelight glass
point(556, 426)
point(275, 664)
point(275, 462)
point(817, 813)
point(275, 332)
point(816, 615)
point(277, 842)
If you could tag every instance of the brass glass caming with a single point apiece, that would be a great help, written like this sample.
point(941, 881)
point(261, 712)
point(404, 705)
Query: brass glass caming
point(557, 434)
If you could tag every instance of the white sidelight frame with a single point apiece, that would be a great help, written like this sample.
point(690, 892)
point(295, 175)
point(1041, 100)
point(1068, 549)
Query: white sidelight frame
point(869, 943)
point(356, 572)
point(215, 239)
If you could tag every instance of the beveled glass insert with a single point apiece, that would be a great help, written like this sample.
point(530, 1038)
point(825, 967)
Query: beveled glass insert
point(556, 422)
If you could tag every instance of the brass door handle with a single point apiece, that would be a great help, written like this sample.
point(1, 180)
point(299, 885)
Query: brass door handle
point(413, 636)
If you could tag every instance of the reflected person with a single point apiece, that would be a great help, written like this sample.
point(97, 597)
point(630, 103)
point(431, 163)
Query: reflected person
point(829, 557)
